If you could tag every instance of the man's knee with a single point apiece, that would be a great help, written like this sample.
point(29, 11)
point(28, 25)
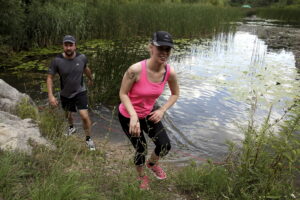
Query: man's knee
point(84, 115)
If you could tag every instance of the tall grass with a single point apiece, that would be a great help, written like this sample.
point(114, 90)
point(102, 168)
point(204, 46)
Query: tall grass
point(45, 22)
point(12, 18)
point(264, 167)
point(109, 66)
point(182, 20)
point(26, 109)
point(208, 180)
point(13, 175)
point(70, 171)
point(60, 185)
point(290, 15)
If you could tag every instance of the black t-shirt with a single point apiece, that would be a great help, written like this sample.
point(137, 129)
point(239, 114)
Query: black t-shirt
point(70, 72)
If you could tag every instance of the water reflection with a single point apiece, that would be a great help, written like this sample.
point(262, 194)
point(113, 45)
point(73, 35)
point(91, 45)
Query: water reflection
point(219, 83)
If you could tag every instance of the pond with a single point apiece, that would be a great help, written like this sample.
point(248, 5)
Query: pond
point(222, 82)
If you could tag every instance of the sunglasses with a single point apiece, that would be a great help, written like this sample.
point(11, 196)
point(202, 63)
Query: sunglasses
point(163, 48)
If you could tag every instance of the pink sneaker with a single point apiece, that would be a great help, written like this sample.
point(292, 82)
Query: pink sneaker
point(144, 185)
point(157, 171)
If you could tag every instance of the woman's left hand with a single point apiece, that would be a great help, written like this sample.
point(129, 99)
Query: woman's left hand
point(156, 115)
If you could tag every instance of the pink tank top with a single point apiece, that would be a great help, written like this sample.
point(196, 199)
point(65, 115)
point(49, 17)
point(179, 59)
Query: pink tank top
point(144, 93)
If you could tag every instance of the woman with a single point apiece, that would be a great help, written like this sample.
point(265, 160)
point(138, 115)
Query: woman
point(142, 84)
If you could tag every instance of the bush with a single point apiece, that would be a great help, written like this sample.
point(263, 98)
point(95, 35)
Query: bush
point(26, 109)
point(263, 168)
point(13, 173)
point(208, 180)
point(60, 185)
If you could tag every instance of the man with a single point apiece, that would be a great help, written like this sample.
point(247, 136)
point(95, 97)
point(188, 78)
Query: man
point(70, 65)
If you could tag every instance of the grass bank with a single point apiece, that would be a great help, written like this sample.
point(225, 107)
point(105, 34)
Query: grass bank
point(71, 171)
point(262, 167)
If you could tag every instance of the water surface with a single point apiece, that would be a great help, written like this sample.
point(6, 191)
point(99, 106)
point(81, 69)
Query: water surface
point(220, 83)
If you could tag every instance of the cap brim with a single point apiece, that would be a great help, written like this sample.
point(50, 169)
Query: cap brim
point(163, 44)
point(71, 41)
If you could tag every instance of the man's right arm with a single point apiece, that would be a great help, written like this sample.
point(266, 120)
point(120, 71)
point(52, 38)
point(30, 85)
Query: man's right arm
point(52, 100)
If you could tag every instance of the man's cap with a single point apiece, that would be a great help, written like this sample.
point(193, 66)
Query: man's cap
point(162, 38)
point(69, 38)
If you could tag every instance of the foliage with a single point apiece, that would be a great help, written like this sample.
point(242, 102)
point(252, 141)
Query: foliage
point(264, 167)
point(112, 62)
point(13, 173)
point(61, 186)
point(45, 22)
point(290, 15)
point(51, 122)
point(12, 19)
point(26, 109)
point(265, 3)
point(207, 180)
point(71, 171)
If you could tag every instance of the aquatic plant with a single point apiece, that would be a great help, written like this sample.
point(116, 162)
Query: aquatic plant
point(109, 65)
point(263, 166)
point(45, 23)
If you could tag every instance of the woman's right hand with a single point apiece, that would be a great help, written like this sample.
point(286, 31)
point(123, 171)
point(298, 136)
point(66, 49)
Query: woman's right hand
point(134, 126)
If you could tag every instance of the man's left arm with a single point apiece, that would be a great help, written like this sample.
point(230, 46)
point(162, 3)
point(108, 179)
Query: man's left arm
point(88, 73)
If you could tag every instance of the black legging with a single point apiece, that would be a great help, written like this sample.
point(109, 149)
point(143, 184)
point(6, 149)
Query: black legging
point(155, 131)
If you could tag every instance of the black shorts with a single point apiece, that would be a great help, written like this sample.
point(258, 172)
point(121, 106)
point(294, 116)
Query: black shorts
point(79, 102)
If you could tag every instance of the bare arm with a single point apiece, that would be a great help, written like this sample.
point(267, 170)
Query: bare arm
point(52, 100)
point(88, 73)
point(129, 78)
point(157, 115)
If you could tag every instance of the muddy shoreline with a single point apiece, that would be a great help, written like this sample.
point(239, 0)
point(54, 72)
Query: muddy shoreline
point(276, 37)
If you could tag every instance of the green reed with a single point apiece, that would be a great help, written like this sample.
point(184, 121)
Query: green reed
point(45, 23)
point(262, 167)
point(109, 65)
point(290, 15)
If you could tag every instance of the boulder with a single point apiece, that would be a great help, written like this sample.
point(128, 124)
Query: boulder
point(10, 97)
point(16, 133)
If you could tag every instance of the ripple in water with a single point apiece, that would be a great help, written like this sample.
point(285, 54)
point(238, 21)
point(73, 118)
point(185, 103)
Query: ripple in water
point(219, 83)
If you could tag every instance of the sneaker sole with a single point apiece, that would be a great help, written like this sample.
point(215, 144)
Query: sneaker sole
point(154, 174)
point(71, 133)
point(159, 178)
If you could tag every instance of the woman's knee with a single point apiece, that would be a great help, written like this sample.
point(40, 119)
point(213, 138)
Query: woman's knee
point(163, 150)
point(140, 158)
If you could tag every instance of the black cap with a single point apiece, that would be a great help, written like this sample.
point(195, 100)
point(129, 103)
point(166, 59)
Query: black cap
point(162, 38)
point(69, 38)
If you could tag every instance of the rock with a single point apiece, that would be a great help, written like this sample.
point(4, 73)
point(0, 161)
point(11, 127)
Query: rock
point(10, 97)
point(16, 133)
